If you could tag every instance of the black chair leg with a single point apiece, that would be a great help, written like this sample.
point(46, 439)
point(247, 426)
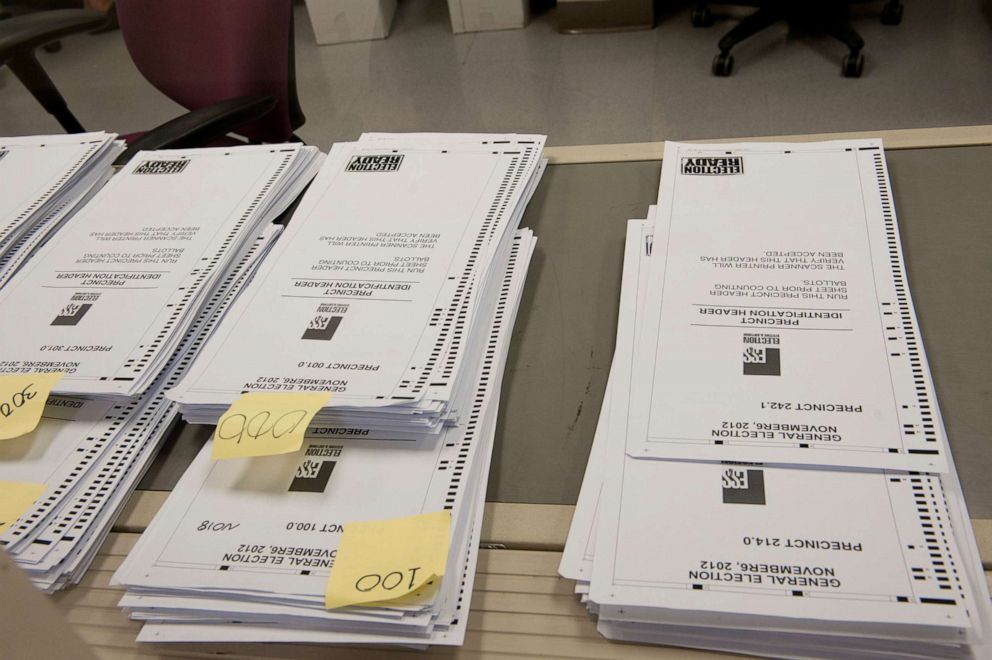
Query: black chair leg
point(33, 76)
point(854, 62)
point(723, 63)
point(750, 26)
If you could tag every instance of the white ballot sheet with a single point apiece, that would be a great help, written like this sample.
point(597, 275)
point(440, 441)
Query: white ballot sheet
point(35, 171)
point(781, 542)
point(44, 179)
point(381, 270)
point(779, 324)
point(109, 297)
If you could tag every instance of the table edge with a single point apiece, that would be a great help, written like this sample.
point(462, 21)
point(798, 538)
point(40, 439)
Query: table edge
point(905, 138)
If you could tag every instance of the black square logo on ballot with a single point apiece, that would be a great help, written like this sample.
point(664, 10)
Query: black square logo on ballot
point(719, 166)
point(762, 361)
point(384, 163)
point(161, 167)
point(314, 471)
point(322, 327)
point(761, 355)
point(312, 476)
point(742, 486)
point(71, 314)
point(325, 322)
point(76, 308)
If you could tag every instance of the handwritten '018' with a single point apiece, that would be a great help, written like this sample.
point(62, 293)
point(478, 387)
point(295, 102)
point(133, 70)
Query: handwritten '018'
point(239, 426)
point(7, 408)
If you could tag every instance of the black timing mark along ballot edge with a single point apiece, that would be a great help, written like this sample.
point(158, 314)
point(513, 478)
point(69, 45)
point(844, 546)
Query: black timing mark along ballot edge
point(55, 187)
point(923, 393)
point(93, 448)
point(453, 321)
point(139, 362)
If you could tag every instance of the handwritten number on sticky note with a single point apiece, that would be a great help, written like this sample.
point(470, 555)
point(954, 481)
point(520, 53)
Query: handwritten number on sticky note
point(18, 399)
point(22, 401)
point(387, 562)
point(389, 581)
point(239, 426)
point(266, 423)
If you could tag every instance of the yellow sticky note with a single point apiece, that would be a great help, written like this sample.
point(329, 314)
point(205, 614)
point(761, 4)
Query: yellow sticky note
point(381, 562)
point(22, 400)
point(15, 499)
point(266, 423)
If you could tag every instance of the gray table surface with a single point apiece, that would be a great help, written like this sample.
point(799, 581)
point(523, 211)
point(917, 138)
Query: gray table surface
point(563, 339)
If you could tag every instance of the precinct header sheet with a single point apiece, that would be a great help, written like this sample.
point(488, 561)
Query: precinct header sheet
point(385, 256)
point(779, 324)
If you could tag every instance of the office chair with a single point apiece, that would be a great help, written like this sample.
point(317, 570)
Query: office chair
point(231, 62)
point(10, 9)
point(20, 36)
point(828, 16)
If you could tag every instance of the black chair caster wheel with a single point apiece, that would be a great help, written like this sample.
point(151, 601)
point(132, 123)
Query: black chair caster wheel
point(892, 13)
point(853, 65)
point(702, 17)
point(723, 64)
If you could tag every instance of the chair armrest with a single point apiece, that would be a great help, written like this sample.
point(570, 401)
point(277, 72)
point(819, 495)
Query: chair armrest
point(22, 34)
point(199, 127)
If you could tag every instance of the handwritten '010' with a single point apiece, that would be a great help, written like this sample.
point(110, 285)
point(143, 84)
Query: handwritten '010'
point(239, 426)
point(18, 400)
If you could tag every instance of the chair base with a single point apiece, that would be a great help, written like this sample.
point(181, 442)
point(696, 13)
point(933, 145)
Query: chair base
point(825, 17)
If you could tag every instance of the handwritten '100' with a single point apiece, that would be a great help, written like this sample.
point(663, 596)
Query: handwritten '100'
point(238, 426)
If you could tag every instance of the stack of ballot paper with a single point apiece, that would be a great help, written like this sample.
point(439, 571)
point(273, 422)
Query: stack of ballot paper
point(770, 473)
point(275, 548)
point(87, 454)
point(107, 300)
point(243, 548)
point(43, 180)
point(382, 290)
point(75, 469)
